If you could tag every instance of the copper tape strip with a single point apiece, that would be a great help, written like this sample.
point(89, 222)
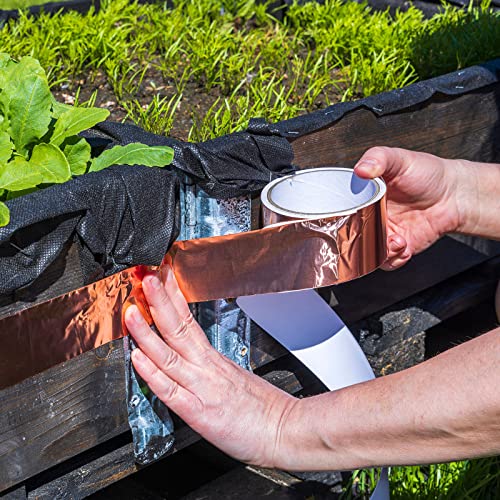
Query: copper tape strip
point(295, 255)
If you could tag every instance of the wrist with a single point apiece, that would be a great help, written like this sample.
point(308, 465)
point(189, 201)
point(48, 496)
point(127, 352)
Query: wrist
point(287, 445)
point(465, 197)
point(305, 438)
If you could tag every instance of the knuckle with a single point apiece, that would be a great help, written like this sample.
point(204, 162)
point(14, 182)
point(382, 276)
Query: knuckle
point(189, 320)
point(170, 391)
point(170, 360)
point(378, 151)
point(181, 331)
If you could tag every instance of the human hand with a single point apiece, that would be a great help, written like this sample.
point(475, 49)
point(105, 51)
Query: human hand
point(421, 198)
point(237, 411)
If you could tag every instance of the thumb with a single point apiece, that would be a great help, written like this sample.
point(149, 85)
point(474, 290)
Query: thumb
point(383, 162)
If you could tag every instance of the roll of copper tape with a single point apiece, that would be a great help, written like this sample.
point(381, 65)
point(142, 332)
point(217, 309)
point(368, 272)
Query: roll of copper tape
point(323, 226)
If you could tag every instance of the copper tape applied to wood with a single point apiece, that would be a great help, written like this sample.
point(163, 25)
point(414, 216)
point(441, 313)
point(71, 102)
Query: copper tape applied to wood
point(286, 255)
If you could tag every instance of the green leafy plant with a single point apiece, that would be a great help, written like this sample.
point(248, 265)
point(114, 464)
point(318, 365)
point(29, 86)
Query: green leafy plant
point(39, 141)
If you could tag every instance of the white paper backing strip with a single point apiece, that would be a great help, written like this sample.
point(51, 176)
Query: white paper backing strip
point(306, 326)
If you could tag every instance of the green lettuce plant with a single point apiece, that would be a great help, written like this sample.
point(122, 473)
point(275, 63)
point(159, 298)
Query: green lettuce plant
point(39, 141)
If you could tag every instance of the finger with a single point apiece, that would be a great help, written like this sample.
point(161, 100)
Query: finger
point(383, 161)
point(396, 244)
point(180, 331)
point(163, 356)
point(397, 261)
point(176, 397)
point(175, 294)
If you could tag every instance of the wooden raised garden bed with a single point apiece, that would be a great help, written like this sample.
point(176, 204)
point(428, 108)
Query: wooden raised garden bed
point(64, 432)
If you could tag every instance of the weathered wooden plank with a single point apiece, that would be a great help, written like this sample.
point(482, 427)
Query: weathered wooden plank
point(16, 493)
point(411, 316)
point(380, 289)
point(40, 430)
point(61, 412)
point(101, 471)
point(436, 304)
point(452, 127)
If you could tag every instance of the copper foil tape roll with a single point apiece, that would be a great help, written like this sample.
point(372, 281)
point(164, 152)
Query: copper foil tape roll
point(324, 226)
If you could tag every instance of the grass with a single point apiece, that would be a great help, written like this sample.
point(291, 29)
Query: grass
point(22, 4)
point(243, 64)
point(466, 480)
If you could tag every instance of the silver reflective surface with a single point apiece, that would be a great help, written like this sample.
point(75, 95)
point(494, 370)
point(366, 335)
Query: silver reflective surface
point(226, 326)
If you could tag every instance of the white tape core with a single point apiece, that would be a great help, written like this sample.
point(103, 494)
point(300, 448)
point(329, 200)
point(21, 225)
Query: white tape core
point(321, 192)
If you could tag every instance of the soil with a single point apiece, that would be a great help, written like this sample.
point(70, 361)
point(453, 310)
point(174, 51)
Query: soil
point(195, 103)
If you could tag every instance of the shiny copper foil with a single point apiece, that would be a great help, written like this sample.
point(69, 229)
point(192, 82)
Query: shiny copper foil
point(290, 256)
point(51, 332)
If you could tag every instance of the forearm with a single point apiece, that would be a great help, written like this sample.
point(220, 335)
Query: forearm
point(445, 409)
point(478, 198)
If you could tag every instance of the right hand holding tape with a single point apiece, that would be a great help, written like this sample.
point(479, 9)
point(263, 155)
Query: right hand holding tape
point(422, 200)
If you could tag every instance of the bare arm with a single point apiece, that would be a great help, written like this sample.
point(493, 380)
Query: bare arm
point(478, 199)
point(444, 409)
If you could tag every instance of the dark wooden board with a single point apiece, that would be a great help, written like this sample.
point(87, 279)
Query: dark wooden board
point(98, 472)
point(465, 126)
point(79, 404)
point(412, 316)
point(446, 258)
point(92, 386)
point(61, 412)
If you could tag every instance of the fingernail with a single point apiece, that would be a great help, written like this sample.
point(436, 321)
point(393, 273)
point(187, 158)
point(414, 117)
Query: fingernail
point(366, 162)
point(138, 355)
point(154, 281)
point(134, 315)
point(396, 244)
point(169, 275)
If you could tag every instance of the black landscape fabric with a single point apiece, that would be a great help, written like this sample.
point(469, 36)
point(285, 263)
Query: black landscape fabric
point(124, 216)
point(452, 84)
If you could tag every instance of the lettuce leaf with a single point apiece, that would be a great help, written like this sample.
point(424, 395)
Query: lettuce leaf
point(18, 174)
point(51, 164)
point(77, 151)
point(75, 120)
point(27, 100)
point(133, 154)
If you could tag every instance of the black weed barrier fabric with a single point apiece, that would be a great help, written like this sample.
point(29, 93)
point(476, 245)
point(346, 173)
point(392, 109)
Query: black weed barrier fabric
point(126, 216)
point(225, 167)
point(428, 7)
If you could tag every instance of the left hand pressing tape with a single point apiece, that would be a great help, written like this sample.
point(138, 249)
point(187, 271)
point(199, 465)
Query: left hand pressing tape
point(327, 226)
point(323, 226)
